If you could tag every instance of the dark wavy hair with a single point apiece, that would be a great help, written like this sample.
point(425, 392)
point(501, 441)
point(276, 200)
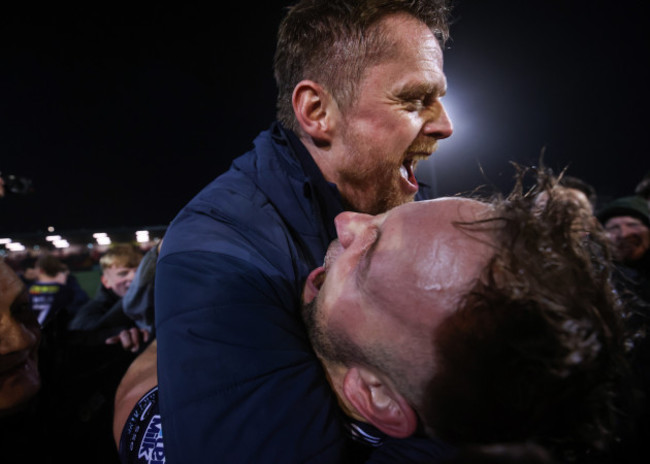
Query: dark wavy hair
point(333, 41)
point(535, 350)
point(582, 186)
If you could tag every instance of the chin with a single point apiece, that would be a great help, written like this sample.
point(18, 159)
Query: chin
point(377, 200)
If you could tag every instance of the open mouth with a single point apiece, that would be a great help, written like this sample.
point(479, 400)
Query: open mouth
point(407, 171)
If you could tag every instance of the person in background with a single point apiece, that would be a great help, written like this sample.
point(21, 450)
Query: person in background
point(627, 223)
point(20, 377)
point(103, 316)
point(54, 290)
point(90, 357)
point(20, 335)
point(47, 413)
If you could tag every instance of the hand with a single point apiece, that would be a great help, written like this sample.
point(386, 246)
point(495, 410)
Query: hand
point(130, 338)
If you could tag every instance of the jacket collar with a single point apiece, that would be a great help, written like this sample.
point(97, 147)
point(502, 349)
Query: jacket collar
point(307, 203)
point(327, 195)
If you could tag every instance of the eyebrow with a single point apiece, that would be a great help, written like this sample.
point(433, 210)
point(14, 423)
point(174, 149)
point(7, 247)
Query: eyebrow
point(415, 90)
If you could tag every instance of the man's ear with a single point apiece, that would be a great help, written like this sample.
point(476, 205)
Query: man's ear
point(314, 109)
point(379, 403)
point(103, 280)
point(313, 284)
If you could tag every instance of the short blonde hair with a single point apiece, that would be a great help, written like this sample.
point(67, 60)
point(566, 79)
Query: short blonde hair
point(122, 255)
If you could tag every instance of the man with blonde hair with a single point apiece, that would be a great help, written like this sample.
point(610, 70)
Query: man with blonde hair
point(360, 102)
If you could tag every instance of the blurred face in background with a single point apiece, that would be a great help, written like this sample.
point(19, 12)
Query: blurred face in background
point(20, 335)
point(630, 236)
point(118, 279)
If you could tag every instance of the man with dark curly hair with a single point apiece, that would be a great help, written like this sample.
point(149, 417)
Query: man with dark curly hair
point(488, 326)
point(475, 322)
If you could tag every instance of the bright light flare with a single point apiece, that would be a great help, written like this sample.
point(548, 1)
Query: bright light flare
point(142, 236)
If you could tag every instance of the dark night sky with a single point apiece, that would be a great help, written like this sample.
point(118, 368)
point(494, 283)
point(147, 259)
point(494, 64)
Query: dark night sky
point(119, 116)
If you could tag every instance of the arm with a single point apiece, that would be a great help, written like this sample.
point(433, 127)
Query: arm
point(95, 316)
point(89, 316)
point(110, 325)
point(139, 378)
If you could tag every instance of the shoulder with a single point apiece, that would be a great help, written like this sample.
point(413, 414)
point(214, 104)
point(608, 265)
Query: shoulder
point(233, 214)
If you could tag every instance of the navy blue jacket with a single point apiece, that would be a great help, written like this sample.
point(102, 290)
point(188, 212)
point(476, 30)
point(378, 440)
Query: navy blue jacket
point(238, 379)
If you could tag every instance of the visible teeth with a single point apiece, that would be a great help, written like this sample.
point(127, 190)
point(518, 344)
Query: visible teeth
point(404, 172)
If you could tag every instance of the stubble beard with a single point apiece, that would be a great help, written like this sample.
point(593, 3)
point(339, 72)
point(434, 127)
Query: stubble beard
point(370, 187)
point(631, 249)
point(317, 338)
point(331, 346)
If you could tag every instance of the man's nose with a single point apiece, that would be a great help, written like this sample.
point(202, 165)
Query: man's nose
point(350, 225)
point(438, 125)
point(627, 231)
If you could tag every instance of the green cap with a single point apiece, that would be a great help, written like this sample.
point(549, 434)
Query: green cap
point(633, 206)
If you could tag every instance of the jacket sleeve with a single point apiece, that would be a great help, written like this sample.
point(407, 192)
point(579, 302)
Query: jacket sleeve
point(238, 381)
point(138, 302)
point(94, 315)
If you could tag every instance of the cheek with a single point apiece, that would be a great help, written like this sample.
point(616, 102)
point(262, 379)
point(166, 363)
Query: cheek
point(121, 281)
point(342, 313)
point(388, 131)
point(398, 132)
point(646, 240)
